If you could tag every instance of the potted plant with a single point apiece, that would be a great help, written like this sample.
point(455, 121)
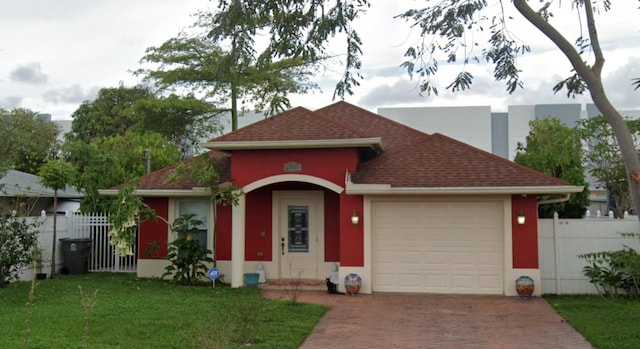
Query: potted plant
point(37, 256)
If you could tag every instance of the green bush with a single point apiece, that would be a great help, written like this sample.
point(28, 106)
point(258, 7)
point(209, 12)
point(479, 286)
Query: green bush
point(186, 255)
point(18, 238)
point(614, 273)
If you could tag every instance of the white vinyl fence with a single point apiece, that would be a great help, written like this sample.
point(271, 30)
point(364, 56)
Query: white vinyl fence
point(560, 242)
point(104, 257)
point(75, 225)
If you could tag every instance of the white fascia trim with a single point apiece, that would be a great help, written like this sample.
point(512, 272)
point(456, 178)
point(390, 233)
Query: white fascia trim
point(373, 142)
point(292, 178)
point(195, 192)
point(384, 189)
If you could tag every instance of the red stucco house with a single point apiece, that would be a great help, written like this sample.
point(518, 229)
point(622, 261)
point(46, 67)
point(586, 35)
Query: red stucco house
point(434, 215)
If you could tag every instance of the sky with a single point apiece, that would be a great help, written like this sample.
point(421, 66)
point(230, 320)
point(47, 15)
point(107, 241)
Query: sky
point(56, 54)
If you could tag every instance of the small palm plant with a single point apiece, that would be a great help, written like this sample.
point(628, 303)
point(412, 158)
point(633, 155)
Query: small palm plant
point(186, 255)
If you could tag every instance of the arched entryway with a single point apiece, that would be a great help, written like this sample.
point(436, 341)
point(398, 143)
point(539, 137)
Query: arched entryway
point(289, 224)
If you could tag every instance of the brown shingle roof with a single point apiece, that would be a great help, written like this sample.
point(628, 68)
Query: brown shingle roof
point(394, 134)
point(158, 180)
point(412, 159)
point(293, 125)
point(437, 161)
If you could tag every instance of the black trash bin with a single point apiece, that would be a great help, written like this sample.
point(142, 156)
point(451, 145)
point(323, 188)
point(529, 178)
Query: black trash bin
point(75, 255)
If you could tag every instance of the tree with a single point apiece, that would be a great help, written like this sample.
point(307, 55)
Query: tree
point(115, 160)
point(228, 75)
point(108, 115)
point(293, 29)
point(555, 149)
point(453, 20)
point(603, 159)
point(56, 174)
point(184, 121)
point(25, 139)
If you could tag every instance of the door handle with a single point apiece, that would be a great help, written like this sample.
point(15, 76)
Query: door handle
point(282, 246)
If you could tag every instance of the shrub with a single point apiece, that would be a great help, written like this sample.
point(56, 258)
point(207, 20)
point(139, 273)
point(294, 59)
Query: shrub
point(614, 272)
point(187, 256)
point(18, 238)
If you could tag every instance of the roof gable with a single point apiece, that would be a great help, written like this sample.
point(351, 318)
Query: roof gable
point(393, 133)
point(296, 124)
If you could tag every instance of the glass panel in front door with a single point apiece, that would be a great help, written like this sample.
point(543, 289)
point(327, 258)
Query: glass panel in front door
point(298, 228)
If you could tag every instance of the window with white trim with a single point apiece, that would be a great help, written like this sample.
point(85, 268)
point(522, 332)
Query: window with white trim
point(200, 210)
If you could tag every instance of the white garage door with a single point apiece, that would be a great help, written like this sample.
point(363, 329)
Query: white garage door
point(438, 247)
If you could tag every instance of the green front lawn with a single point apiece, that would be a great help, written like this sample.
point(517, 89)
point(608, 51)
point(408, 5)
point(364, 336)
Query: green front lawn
point(613, 324)
point(140, 313)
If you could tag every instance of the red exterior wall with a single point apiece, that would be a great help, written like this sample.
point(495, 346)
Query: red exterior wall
point(154, 231)
point(330, 164)
point(352, 236)
point(258, 219)
point(525, 236)
point(249, 166)
point(331, 226)
point(223, 234)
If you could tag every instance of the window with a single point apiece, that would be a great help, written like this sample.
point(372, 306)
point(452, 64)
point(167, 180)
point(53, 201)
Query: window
point(200, 210)
point(298, 228)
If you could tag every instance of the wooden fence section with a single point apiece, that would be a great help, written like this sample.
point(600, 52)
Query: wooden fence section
point(560, 241)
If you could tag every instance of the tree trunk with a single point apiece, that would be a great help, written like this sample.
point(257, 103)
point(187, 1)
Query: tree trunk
point(234, 107)
point(624, 138)
point(591, 75)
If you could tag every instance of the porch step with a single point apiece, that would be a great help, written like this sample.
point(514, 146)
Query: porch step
point(306, 285)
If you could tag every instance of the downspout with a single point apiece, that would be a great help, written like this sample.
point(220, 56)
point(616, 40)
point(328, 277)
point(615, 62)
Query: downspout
point(556, 253)
point(555, 201)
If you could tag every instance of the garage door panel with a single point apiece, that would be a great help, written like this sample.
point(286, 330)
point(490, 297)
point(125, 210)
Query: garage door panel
point(462, 281)
point(462, 259)
point(435, 257)
point(385, 256)
point(488, 282)
point(489, 258)
point(437, 247)
point(435, 281)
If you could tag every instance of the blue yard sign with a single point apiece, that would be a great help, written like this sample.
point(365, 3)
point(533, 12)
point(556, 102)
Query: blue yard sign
point(214, 274)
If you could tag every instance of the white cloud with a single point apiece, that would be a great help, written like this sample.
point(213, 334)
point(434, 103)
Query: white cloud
point(85, 45)
point(402, 91)
point(30, 73)
point(74, 94)
point(618, 84)
point(10, 102)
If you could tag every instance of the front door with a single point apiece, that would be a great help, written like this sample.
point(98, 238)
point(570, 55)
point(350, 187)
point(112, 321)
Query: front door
point(299, 232)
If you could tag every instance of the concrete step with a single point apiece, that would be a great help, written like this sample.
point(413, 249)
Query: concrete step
point(305, 285)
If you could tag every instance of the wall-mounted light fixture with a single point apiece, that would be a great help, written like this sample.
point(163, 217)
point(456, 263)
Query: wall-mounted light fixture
point(355, 217)
point(521, 217)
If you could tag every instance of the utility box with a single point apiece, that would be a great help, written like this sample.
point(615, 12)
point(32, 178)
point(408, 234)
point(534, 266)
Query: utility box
point(75, 255)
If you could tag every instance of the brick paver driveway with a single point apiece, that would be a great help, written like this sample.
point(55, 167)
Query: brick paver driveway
point(436, 321)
